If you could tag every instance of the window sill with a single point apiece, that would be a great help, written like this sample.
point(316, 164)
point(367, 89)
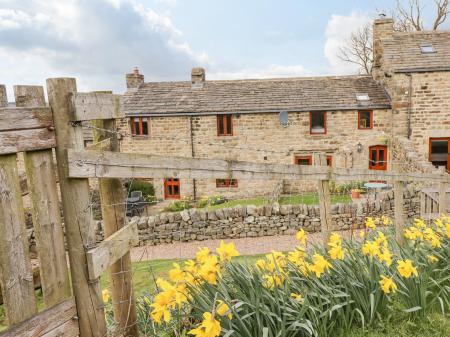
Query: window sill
point(140, 137)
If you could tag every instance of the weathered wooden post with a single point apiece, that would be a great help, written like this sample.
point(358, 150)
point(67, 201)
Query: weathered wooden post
point(114, 218)
point(80, 234)
point(399, 218)
point(16, 276)
point(46, 211)
point(443, 201)
point(323, 187)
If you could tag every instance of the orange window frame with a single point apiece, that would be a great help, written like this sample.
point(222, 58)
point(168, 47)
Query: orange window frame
point(222, 119)
point(226, 183)
point(329, 160)
point(170, 184)
point(371, 120)
point(377, 165)
point(324, 123)
point(448, 151)
point(298, 158)
point(139, 131)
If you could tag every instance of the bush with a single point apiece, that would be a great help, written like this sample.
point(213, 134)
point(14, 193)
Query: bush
point(179, 205)
point(148, 191)
point(322, 291)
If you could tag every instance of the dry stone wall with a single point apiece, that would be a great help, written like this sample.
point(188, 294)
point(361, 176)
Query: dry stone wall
point(268, 220)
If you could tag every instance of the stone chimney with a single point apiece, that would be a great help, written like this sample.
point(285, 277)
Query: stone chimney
point(3, 97)
point(135, 79)
point(383, 28)
point(197, 77)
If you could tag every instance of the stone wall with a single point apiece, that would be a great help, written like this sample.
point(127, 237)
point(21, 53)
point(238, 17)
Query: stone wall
point(268, 220)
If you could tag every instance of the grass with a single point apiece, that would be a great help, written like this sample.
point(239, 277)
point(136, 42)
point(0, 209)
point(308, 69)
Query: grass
point(145, 272)
point(307, 199)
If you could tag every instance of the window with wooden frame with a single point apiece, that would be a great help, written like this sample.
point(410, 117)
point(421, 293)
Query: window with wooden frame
point(139, 126)
point(378, 157)
point(224, 125)
point(439, 152)
point(329, 160)
point(318, 122)
point(226, 183)
point(303, 160)
point(365, 119)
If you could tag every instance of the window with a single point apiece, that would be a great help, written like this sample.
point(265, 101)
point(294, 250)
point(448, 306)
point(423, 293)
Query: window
point(172, 188)
point(365, 120)
point(139, 126)
point(303, 160)
point(439, 154)
point(378, 157)
point(318, 122)
point(362, 97)
point(226, 183)
point(427, 48)
point(329, 160)
point(224, 125)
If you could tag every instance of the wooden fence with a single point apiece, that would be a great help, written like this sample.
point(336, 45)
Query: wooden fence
point(76, 307)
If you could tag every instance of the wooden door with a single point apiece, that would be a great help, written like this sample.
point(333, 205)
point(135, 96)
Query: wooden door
point(378, 157)
point(172, 188)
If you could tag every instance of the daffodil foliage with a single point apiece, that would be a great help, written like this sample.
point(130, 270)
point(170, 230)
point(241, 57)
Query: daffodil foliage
point(310, 291)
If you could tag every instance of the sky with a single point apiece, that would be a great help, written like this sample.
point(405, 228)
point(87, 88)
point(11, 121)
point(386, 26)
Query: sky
point(99, 41)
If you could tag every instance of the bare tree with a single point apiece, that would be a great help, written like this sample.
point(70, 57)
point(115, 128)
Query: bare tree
point(408, 17)
point(358, 49)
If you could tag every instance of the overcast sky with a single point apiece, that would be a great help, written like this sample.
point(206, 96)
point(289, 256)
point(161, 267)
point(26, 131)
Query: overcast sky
point(98, 41)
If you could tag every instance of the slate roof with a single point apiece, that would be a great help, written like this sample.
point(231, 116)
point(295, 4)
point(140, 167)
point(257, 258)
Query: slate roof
point(402, 52)
point(252, 96)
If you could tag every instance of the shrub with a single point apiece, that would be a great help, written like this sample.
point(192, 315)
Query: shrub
point(148, 191)
point(179, 205)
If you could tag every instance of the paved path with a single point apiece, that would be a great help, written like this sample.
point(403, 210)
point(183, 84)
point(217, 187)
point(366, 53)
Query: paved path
point(245, 246)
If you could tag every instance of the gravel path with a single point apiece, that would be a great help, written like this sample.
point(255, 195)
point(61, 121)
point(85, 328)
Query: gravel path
point(245, 246)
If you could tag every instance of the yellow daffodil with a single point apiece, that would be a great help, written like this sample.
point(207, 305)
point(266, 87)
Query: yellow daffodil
point(362, 234)
point(381, 239)
point(210, 327)
point(202, 254)
point(413, 233)
point(447, 229)
point(227, 251)
point(385, 256)
point(210, 269)
point(298, 297)
point(432, 237)
point(105, 295)
point(419, 223)
point(370, 223)
point(161, 307)
point(432, 258)
point(319, 265)
point(406, 268)
point(371, 248)
point(336, 252)
point(335, 239)
point(439, 223)
point(223, 309)
point(387, 285)
point(301, 236)
point(386, 220)
point(176, 274)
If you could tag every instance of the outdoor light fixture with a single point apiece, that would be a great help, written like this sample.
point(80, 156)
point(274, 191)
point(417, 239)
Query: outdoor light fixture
point(359, 147)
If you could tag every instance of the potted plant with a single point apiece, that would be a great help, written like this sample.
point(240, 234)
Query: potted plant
point(356, 192)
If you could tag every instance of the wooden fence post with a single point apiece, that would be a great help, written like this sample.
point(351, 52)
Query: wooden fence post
point(399, 211)
point(112, 198)
point(46, 211)
point(323, 187)
point(80, 233)
point(443, 201)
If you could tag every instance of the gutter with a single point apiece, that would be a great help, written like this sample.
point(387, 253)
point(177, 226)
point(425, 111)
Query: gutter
point(421, 70)
point(194, 182)
point(409, 104)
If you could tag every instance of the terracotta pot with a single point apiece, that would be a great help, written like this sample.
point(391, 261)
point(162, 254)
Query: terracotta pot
point(355, 194)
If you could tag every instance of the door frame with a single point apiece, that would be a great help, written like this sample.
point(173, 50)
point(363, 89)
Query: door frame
point(172, 182)
point(448, 149)
point(385, 161)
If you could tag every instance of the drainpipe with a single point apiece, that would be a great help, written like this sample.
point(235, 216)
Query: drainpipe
point(409, 104)
point(194, 183)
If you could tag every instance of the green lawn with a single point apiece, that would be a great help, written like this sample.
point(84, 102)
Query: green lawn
point(307, 199)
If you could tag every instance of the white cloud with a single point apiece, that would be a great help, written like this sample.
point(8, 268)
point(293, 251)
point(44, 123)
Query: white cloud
point(272, 71)
point(338, 31)
point(95, 41)
point(171, 3)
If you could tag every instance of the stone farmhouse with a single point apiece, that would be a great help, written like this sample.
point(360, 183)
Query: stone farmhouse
point(398, 118)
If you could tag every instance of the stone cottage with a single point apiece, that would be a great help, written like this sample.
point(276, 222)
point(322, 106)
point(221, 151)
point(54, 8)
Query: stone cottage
point(401, 112)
